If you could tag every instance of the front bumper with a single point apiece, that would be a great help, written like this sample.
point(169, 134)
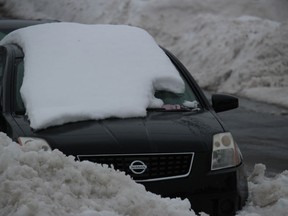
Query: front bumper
point(220, 192)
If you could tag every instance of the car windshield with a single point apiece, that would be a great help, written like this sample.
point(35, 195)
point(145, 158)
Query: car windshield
point(4, 32)
point(172, 101)
point(180, 101)
point(2, 35)
point(19, 106)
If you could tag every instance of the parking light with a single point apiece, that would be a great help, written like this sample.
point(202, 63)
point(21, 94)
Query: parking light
point(40, 143)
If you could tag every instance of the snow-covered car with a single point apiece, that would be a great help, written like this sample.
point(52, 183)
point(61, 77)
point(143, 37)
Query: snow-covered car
point(109, 94)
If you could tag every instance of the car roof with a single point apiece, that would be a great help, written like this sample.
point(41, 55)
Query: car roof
point(9, 25)
point(19, 23)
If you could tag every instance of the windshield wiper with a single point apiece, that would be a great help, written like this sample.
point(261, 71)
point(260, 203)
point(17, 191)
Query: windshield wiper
point(171, 109)
point(156, 109)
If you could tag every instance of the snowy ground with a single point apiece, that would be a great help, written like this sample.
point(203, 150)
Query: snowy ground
point(225, 47)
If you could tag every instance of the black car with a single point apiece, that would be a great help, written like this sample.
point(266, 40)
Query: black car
point(176, 152)
point(9, 25)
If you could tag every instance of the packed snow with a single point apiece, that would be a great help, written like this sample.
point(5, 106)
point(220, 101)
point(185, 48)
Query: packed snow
point(84, 72)
point(244, 56)
point(268, 196)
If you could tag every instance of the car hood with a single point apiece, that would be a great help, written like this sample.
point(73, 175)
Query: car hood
point(159, 132)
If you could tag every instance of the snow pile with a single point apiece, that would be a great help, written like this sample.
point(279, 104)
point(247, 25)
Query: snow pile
point(114, 11)
point(37, 182)
point(76, 72)
point(246, 56)
point(268, 196)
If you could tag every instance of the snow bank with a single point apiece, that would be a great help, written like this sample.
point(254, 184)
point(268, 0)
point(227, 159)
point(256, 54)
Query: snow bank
point(268, 196)
point(37, 182)
point(91, 11)
point(245, 56)
point(77, 72)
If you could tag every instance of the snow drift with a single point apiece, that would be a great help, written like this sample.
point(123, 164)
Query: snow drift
point(245, 56)
point(268, 196)
point(37, 182)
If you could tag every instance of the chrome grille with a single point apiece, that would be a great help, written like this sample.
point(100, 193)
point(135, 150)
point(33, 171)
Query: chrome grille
point(158, 166)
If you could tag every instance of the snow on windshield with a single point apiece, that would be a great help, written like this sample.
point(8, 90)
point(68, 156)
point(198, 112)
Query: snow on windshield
point(77, 72)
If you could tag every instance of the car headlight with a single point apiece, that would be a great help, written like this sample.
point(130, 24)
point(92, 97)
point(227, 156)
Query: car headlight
point(225, 152)
point(36, 142)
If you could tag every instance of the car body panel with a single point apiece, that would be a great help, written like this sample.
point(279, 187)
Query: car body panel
point(158, 132)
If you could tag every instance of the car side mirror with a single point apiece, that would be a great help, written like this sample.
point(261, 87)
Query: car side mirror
point(221, 102)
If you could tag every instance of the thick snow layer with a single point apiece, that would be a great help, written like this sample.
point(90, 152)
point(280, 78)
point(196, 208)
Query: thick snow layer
point(78, 72)
point(37, 182)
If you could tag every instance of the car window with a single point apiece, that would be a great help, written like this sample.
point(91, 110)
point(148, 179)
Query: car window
point(19, 106)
